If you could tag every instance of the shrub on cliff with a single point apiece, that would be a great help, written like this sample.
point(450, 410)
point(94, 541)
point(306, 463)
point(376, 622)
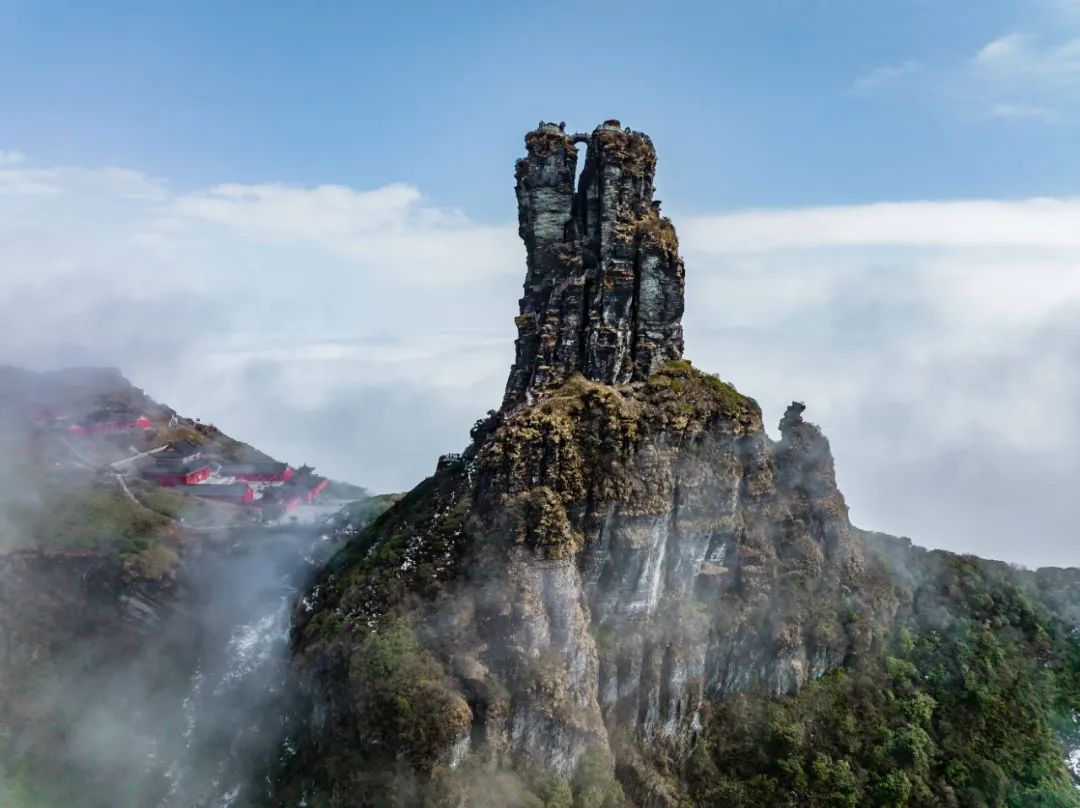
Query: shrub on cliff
point(961, 711)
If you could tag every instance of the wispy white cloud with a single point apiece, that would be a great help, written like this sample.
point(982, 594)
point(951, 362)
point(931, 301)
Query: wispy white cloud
point(1031, 76)
point(1002, 50)
point(885, 78)
point(364, 330)
point(1035, 223)
point(391, 227)
point(300, 298)
point(10, 157)
point(1023, 112)
point(1032, 66)
point(936, 342)
point(1021, 76)
point(327, 211)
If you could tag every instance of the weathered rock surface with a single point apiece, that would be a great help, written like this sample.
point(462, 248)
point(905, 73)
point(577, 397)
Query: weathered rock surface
point(620, 552)
point(604, 286)
point(621, 543)
point(600, 566)
point(50, 602)
point(64, 620)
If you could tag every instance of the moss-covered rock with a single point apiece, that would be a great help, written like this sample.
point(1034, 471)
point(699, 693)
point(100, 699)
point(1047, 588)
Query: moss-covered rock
point(604, 559)
point(625, 593)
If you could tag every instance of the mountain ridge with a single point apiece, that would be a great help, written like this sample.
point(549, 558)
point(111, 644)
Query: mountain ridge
point(580, 605)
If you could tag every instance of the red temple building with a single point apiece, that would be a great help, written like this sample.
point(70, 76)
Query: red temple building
point(179, 463)
point(257, 472)
point(104, 421)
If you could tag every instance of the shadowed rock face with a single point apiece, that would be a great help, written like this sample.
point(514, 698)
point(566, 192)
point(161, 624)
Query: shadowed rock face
point(620, 545)
point(604, 287)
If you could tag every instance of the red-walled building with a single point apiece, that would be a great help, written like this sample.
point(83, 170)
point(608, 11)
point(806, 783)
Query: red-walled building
point(317, 489)
point(104, 421)
point(179, 455)
point(171, 477)
point(291, 503)
point(307, 487)
point(301, 489)
point(257, 472)
point(179, 463)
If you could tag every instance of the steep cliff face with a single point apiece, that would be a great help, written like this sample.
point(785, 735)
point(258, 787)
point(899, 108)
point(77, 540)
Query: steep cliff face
point(625, 593)
point(620, 545)
point(604, 285)
point(600, 565)
point(73, 604)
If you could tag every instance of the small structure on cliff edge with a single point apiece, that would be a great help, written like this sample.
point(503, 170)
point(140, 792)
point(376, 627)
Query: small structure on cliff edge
point(604, 286)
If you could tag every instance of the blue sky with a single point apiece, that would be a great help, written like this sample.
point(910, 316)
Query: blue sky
point(751, 104)
point(297, 221)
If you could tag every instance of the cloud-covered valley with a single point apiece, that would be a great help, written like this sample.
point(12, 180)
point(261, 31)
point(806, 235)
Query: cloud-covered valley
point(364, 330)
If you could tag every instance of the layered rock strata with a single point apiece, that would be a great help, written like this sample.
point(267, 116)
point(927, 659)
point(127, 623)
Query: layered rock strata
point(604, 284)
point(621, 544)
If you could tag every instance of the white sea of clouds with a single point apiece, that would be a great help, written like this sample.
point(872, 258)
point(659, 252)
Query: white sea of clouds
point(364, 330)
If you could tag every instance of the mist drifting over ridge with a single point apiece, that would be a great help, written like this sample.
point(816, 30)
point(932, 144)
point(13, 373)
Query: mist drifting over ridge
point(624, 592)
point(921, 331)
point(730, 536)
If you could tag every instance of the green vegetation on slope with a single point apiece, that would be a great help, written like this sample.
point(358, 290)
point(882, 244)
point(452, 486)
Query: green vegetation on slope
point(692, 384)
point(356, 516)
point(962, 711)
point(84, 518)
point(951, 681)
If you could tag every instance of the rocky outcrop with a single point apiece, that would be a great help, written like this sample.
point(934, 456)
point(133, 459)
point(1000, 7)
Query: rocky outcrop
point(597, 569)
point(604, 284)
point(53, 601)
point(621, 545)
point(64, 619)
